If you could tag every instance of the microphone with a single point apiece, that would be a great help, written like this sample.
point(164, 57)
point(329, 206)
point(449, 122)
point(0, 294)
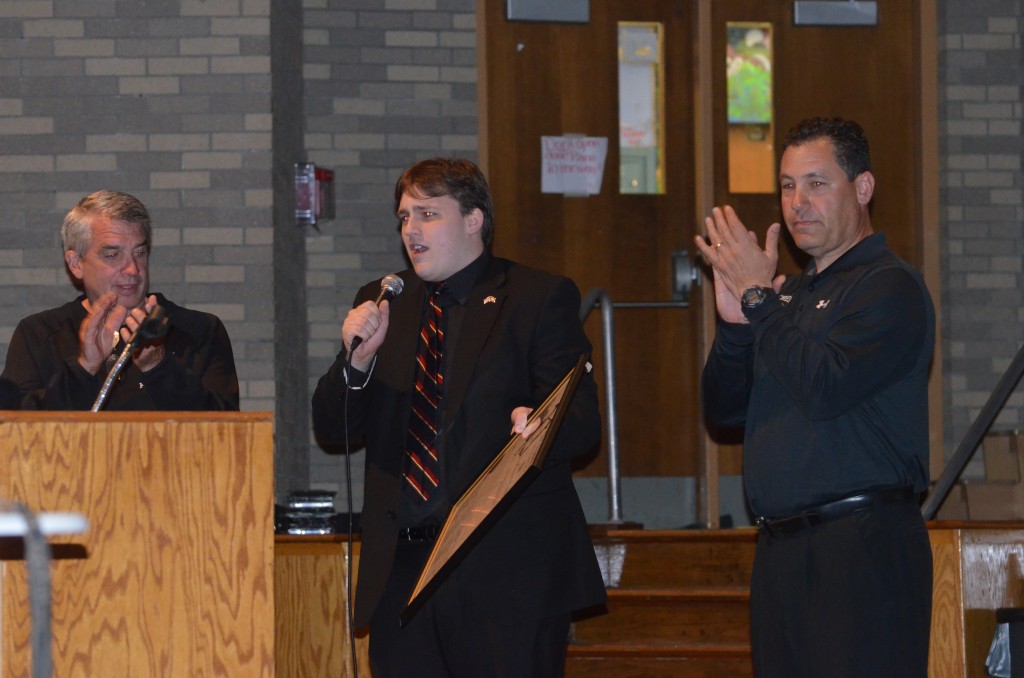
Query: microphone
point(390, 287)
point(154, 326)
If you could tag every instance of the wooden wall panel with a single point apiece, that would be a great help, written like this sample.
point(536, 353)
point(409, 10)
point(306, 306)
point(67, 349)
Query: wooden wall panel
point(978, 568)
point(551, 79)
point(174, 576)
point(311, 619)
point(544, 79)
point(870, 74)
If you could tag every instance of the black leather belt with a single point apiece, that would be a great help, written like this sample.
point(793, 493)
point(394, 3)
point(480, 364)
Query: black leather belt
point(419, 533)
point(840, 508)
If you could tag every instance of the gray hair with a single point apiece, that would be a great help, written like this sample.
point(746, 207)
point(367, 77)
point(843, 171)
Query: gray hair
point(76, 233)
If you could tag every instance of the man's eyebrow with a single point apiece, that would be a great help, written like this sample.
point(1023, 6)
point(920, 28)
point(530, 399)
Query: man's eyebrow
point(114, 246)
point(807, 175)
point(417, 208)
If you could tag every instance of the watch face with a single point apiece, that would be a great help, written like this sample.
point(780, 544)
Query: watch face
point(753, 296)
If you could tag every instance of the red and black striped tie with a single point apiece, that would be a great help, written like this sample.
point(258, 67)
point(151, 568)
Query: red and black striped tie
point(421, 460)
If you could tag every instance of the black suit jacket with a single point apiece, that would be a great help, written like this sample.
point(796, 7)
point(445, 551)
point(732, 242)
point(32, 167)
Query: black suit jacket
point(520, 336)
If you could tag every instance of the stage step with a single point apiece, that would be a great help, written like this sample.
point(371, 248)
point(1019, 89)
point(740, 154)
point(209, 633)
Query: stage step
point(669, 616)
point(639, 661)
point(678, 605)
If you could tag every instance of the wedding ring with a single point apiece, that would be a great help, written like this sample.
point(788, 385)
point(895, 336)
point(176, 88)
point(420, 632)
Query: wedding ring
point(718, 244)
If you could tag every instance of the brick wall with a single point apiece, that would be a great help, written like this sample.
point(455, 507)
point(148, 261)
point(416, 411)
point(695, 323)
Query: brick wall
point(981, 73)
point(387, 82)
point(169, 101)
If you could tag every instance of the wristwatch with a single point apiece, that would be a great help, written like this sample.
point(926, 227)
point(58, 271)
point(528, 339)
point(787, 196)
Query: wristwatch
point(754, 296)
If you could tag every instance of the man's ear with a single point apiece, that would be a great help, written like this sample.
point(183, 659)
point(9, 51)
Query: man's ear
point(474, 221)
point(74, 262)
point(865, 183)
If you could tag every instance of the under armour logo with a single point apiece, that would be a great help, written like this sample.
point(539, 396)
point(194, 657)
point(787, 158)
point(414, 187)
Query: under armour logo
point(822, 303)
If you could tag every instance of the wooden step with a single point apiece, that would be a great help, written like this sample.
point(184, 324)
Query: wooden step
point(675, 559)
point(678, 605)
point(708, 615)
point(619, 660)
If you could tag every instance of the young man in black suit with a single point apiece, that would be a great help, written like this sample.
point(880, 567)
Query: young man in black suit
point(509, 334)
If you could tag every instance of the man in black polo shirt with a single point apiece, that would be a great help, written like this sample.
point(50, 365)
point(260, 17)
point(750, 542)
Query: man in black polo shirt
point(827, 372)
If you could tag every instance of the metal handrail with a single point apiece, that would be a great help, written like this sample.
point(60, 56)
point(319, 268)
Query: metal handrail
point(974, 435)
point(594, 297)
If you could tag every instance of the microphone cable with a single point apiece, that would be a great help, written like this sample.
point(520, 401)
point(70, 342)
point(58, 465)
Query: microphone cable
point(391, 286)
point(349, 544)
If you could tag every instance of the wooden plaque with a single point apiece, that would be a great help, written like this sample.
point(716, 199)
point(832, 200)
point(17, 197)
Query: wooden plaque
point(494, 490)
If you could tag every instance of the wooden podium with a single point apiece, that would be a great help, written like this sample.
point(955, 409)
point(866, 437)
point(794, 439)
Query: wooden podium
point(175, 574)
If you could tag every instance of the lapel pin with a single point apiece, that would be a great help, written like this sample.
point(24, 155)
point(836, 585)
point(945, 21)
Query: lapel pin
point(490, 300)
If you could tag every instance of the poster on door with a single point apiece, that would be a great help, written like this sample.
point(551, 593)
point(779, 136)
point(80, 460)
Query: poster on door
point(572, 165)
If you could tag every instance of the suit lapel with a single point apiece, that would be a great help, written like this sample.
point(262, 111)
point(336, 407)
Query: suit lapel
point(482, 309)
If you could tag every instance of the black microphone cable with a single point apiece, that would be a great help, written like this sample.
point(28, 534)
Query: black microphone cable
point(390, 287)
point(349, 614)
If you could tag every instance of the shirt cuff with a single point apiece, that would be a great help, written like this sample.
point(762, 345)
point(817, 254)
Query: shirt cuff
point(359, 377)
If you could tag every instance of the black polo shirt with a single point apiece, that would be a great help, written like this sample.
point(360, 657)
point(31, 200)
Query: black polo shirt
point(830, 382)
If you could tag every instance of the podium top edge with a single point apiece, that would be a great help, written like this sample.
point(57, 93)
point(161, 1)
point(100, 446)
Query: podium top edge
point(14, 416)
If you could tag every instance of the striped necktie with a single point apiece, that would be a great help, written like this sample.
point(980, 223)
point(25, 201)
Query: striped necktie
point(421, 455)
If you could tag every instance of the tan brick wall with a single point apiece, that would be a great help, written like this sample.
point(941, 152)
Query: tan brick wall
point(981, 62)
point(373, 108)
point(167, 101)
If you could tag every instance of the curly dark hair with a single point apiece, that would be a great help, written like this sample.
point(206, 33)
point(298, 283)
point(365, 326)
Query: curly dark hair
point(457, 177)
point(847, 137)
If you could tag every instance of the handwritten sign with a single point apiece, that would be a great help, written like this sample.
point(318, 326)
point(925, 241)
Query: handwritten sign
point(572, 165)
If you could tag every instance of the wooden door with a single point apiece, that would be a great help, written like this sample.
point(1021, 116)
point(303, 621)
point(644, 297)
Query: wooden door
point(548, 79)
point(865, 73)
point(870, 74)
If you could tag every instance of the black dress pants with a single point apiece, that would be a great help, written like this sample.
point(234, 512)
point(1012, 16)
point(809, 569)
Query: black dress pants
point(848, 598)
point(453, 637)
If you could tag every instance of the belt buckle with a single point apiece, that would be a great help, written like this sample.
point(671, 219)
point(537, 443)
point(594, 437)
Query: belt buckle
point(767, 525)
point(419, 533)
